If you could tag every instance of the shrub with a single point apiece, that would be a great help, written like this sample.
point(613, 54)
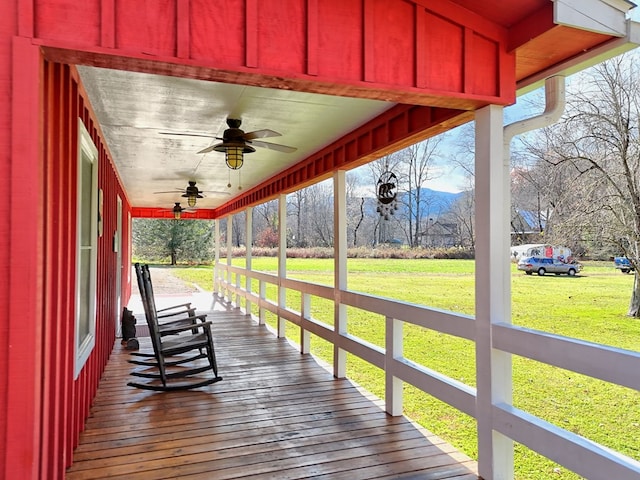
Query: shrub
point(358, 252)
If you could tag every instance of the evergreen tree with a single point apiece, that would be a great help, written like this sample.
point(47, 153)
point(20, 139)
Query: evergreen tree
point(190, 241)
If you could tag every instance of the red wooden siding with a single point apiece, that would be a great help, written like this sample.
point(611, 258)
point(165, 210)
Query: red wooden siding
point(152, 31)
point(449, 47)
point(20, 367)
point(5, 224)
point(345, 17)
point(371, 48)
point(48, 407)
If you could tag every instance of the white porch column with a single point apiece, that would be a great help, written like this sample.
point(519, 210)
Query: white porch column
point(305, 335)
point(216, 259)
point(394, 345)
point(493, 290)
point(282, 259)
point(340, 270)
point(249, 253)
point(229, 255)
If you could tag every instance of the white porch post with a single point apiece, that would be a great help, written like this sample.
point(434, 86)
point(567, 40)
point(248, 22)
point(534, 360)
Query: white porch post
point(340, 271)
point(262, 292)
point(229, 255)
point(394, 350)
point(216, 259)
point(248, 254)
point(493, 290)
point(305, 313)
point(305, 335)
point(282, 259)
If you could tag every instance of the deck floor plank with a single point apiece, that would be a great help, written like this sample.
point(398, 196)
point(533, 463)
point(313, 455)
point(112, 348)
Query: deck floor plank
point(276, 414)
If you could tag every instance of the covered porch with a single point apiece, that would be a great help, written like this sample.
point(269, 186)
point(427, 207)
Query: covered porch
point(114, 107)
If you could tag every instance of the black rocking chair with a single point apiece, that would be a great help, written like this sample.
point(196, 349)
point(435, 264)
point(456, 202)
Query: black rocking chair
point(168, 368)
point(149, 359)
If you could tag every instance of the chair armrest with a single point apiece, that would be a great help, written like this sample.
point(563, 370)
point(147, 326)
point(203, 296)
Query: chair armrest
point(186, 305)
point(183, 328)
point(191, 319)
point(190, 311)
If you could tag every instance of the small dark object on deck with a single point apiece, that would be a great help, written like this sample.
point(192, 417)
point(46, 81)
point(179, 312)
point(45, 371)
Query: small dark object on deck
point(128, 322)
point(132, 344)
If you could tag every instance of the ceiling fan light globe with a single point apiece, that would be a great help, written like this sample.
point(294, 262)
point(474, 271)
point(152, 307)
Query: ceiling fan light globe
point(234, 157)
point(191, 200)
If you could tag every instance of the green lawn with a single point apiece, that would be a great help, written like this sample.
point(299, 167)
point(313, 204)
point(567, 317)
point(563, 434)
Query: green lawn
point(590, 306)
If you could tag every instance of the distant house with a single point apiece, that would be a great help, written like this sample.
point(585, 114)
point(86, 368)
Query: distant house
point(527, 225)
point(440, 234)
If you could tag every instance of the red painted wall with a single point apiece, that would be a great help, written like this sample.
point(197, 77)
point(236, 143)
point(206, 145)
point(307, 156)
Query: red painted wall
point(423, 53)
point(46, 406)
point(20, 368)
point(7, 27)
point(66, 401)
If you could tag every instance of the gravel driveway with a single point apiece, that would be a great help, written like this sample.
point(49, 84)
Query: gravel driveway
point(164, 282)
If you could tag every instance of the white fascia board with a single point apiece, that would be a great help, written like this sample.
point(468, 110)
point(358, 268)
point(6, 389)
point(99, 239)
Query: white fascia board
point(599, 16)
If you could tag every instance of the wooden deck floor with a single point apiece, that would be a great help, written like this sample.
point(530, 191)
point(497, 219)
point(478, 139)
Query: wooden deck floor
point(275, 415)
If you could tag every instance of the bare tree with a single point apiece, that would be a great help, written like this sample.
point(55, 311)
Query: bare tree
point(597, 144)
point(320, 214)
point(266, 215)
point(355, 206)
point(530, 210)
point(296, 203)
point(462, 212)
point(238, 230)
point(359, 219)
point(463, 208)
point(418, 161)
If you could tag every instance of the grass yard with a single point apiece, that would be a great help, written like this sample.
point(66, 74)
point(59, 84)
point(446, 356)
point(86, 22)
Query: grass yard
point(590, 306)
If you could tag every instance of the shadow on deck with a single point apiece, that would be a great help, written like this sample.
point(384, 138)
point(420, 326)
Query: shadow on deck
point(277, 414)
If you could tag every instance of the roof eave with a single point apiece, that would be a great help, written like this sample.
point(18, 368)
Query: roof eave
point(609, 49)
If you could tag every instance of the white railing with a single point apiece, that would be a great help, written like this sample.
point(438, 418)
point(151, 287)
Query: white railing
point(581, 455)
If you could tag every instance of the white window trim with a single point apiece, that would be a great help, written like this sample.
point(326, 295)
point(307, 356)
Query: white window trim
point(84, 347)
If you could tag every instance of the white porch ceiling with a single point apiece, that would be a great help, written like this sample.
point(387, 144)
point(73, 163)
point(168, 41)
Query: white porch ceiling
point(133, 108)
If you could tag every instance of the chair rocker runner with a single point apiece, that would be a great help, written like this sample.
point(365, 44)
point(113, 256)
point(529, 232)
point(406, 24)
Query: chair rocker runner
point(169, 369)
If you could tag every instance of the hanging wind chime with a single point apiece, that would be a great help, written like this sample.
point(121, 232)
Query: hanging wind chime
point(387, 193)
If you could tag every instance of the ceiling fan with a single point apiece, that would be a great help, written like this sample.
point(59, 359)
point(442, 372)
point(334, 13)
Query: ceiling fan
point(178, 210)
point(192, 193)
point(234, 137)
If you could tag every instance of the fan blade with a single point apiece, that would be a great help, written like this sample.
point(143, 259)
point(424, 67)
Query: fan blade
point(189, 134)
point(274, 146)
point(207, 150)
point(213, 192)
point(177, 190)
point(261, 134)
